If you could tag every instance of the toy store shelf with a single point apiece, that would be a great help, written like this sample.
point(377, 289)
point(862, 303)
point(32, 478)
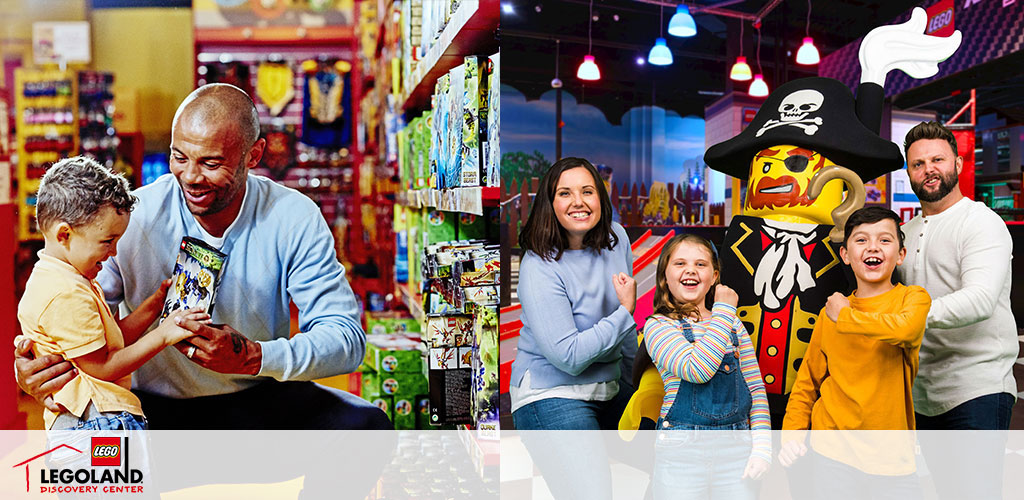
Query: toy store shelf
point(468, 199)
point(275, 35)
point(469, 31)
point(413, 301)
point(483, 452)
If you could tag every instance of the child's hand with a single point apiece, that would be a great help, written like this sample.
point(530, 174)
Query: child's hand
point(625, 290)
point(172, 332)
point(756, 467)
point(726, 295)
point(836, 303)
point(155, 302)
point(791, 451)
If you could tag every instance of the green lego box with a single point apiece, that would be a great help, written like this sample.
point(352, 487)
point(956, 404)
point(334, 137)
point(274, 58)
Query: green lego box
point(397, 353)
point(440, 226)
point(386, 404)
point(401, 384)
point(388, 322)
point(472, 227)
point(370, 384)
point(405, 412)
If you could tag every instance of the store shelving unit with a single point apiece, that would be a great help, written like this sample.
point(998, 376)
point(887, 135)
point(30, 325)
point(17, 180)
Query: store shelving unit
point(400, 94)
point(469, 31)
point(469, 199)
point(59, 113)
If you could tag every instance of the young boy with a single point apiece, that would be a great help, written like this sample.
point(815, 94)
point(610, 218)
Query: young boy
point(860, 367)
point(82, 209)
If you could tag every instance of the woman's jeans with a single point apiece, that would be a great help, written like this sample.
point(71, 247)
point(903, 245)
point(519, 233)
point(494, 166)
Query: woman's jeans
point(565, 443)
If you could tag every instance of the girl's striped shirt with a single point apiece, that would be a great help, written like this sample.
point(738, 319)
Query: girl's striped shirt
point(677, 359)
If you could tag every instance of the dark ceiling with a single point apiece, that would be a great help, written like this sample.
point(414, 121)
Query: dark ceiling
point(698, 75)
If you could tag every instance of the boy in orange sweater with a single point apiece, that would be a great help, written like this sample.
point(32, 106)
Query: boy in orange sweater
point(859, 370)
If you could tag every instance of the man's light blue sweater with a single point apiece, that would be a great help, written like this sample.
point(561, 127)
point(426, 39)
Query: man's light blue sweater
point(279, 248)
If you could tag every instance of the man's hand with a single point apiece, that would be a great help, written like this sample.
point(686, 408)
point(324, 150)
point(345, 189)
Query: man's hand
point(836, 303)
point(791, 451)
point(756, 467)
point(42, 377)
point(221, 348)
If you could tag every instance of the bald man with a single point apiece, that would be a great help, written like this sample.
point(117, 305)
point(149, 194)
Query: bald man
point(243, 371)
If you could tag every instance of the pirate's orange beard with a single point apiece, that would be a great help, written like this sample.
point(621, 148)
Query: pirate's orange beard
point(757, 199)
point(786, 197)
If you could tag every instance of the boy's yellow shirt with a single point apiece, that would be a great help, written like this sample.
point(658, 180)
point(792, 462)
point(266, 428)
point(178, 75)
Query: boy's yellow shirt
point(858, 374)
point(65, 314)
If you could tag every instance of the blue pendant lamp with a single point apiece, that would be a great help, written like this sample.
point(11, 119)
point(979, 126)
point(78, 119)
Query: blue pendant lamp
point(660, 55)
point(682, 23)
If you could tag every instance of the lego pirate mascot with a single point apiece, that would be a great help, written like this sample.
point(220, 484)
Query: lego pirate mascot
point(778, 255)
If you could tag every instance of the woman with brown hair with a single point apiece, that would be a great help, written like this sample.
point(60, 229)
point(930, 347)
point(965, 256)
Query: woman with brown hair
point(575, 353)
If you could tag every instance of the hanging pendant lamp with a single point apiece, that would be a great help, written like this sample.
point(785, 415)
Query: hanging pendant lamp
point(660, 54)
point(682, 23)
point(740, 71)
point(808, 53)
point(588, 69)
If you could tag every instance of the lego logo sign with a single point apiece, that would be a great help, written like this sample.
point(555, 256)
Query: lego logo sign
point(106, 451)
point(940, 19)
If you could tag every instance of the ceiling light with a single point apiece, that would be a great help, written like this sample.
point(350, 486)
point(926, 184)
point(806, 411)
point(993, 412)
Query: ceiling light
point(660, 54)
point(507, 8)
point(682, 23)
point(758, 88)
point(588, 69)
point(808, 53)
point(740, 70)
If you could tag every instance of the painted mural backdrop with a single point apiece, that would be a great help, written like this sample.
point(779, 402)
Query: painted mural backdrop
point(652, 147)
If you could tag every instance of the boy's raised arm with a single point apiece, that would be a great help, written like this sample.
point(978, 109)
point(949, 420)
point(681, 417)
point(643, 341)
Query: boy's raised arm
point(904, 328)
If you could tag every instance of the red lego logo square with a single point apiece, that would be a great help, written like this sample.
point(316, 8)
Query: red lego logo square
point(106, 451)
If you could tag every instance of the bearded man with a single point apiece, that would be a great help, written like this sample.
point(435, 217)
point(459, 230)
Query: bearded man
point(959, 250)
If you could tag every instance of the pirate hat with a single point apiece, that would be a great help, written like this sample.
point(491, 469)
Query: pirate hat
point(815, 113)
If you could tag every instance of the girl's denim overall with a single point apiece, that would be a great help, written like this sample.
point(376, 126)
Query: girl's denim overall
point(704, 440)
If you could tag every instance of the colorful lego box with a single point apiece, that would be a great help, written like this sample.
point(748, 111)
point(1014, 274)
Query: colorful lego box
point(485, 392)
point(492, 157)
point(449, 331)
point(452, 167)
point(475, 82)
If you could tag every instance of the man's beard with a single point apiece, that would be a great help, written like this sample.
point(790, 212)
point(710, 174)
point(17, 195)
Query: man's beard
point(947, 184)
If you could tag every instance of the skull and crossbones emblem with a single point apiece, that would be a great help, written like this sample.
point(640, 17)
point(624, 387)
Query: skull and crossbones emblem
point(794, 110)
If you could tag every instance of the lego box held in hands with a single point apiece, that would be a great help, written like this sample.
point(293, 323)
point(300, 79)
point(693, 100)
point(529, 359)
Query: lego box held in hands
point(196, 278)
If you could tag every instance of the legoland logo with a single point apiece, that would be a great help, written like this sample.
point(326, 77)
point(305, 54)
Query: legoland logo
point(106, 451)
point(109, 472)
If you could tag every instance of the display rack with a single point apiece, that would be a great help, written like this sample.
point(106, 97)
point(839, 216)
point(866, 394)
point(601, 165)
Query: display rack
point(58, 114)
point(46, 110)
point(470, 199)
point(470, 30)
